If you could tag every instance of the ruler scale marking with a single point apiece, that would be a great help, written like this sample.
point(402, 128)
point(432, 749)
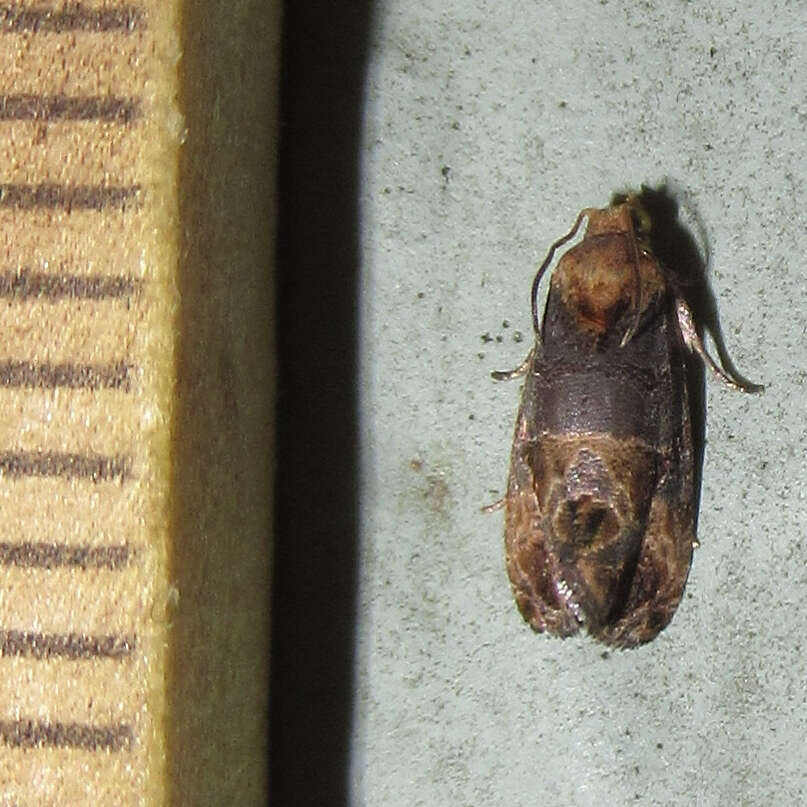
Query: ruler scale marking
point(65, 645)
point(27, 284)
point(72, 17)
point(53, 555)
point(69, 374)
point(97, 468)
point(26, 106)
point(87, 737)
point(51, 195)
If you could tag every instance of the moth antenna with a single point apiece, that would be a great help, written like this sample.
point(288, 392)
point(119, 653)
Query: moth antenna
point(545, 265)
point(636, 297)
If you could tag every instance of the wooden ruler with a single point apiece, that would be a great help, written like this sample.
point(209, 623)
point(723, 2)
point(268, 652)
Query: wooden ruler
point(135, 392)
point(83, 433)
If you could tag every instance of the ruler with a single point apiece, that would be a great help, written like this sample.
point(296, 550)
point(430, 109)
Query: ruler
point(136, 387)
point(83, 433)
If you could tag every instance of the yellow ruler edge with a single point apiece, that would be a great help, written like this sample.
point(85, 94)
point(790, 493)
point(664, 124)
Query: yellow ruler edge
point(224, 433)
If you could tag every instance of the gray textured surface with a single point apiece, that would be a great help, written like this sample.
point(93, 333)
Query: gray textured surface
point(537, 110)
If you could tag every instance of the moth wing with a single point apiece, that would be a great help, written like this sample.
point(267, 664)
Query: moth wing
point(666, 555)
point(529, 563)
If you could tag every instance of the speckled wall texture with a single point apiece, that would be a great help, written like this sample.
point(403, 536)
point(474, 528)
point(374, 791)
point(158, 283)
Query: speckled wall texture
point(487, 130)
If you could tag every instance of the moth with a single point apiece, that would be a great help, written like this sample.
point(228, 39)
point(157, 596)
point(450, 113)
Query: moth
point(600, 502)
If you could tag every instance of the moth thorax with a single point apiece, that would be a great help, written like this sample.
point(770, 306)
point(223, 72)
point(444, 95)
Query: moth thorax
point(597, 281)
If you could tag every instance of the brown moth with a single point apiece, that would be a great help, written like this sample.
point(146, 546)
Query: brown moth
point(600, 503)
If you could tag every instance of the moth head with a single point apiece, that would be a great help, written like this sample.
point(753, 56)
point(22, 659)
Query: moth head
point(640, 217)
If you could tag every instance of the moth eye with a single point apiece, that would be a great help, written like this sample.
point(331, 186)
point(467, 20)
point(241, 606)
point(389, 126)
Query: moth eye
point(642, 223)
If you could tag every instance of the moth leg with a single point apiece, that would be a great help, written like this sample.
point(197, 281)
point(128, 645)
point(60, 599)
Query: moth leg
point(693, 341)
point(508, 375)
point(497, 505)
